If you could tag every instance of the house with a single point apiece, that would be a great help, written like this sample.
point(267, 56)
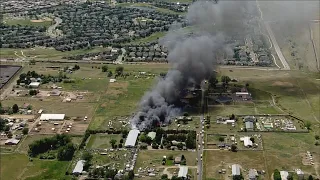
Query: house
point(12, 141)
point(253, 174)
point(54, 117)
point(284, 175)
point(55, 92)
point(34, 84)
point(246, 141)
point(132, 138)
point(245, 96)
point(300, 174)
point(249, 126)
point(79, 168)
point(152, 135)
point(235, 169)
point(177, 160)
point(183, 172)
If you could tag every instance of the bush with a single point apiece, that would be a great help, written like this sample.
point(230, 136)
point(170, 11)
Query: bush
point(25, 131)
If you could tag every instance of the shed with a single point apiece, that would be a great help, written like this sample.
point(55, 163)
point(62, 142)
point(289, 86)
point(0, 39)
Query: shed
point(132, 138)
point(55, 117)
point(253, 174)
point(235, 169)
point(249, 125)
point(183, 171)
point(284, 175)
point(34, 84)
point(152, 135)
point(12, 141)
point(112, 80)
point(79, 168)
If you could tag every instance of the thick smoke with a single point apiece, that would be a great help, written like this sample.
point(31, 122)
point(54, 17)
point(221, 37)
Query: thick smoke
point(192, 59)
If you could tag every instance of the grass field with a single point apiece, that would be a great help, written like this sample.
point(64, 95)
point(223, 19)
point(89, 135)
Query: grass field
point(44, 54)
point(102, 141)
point(154, 157)
point(17, 166)
point(27, 22)
point(147, 5)
point(152, 37)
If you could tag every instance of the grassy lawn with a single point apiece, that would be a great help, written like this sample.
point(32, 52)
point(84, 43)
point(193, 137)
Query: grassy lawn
point(117, 157)
point(285, 151)
point(152, 37)
point(17, 166)
point(163, 10)
point(154, 157)
point(102, 141)
point(28, 22)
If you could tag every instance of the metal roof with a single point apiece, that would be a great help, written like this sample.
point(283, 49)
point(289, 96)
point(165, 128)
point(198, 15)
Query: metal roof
point(183, 171)
point(132, 138)
point(152, 135)
point(79, 167)
point(249, 125)
point(235, 169)
point(45, 117)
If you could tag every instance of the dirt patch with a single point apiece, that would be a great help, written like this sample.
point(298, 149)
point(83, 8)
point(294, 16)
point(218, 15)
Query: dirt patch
point(37, 20)
point(117, 88)
point(282, 84)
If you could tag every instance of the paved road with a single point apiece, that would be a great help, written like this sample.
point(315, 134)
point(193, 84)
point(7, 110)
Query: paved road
point(277, 48)
point(53, 27)
point(200, 140)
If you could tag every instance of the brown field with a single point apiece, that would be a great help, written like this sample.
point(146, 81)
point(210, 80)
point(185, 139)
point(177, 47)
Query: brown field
point(217, 160)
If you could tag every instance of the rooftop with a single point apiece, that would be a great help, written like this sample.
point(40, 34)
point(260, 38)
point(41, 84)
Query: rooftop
point(183, 171)
point(235, 169)
point(46, 117)
point(79, 167)
point(132, 138)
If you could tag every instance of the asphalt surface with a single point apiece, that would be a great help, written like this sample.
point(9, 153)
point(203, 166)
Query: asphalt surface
point(200, 138)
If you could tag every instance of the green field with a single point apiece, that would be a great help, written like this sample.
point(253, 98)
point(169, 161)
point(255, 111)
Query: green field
point(163, 10)
point(154, 157)
point(23, 147)
point(17, 166)
point(43, 54)
point(27, 22)
point(152, 37)
point(102, 141)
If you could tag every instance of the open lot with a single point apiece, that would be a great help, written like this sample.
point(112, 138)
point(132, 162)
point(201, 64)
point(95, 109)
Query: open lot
point(28, 22)
point(23, 146)
point(21, 168)
point(6, 73)
point(102, 141)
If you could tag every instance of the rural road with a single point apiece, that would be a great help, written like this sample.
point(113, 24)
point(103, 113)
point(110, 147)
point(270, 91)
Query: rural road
point(274, 42)
point(53, 27)
point(200, 140)
point(277, 48)
point(119, 59)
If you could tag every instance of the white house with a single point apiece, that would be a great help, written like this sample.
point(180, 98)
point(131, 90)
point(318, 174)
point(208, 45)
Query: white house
point(183, 171)
point(246, 141)
point(34, 84)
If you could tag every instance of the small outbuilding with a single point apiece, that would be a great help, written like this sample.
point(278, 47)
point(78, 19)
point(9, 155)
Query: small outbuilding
point(183, 172)
point(79, 168)
point(34, 84)
point(284, 175)
point(12, 141)
point(253, 174)
point(246, 141)
point(152, 135)
point(177, 160)
point(235, 169)
point(249, 126)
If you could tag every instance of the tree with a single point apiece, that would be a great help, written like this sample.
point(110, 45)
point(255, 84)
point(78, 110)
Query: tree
point(317, 143)
point(124, 133)
point(308, 125)
point(225, 79)
point(131, 174)
point(252, 139)
point(110, 74)
point(65, 153)
point(232, 116)
point(15, 108)
point(237, 177)
point(119, 70)
point(9, 135)
point(213, 81)
point(186, 114)
point(104, 68)
point(310, 177)
point(113, 142)
point(221, 139)
point(121, 141)
point(276, 175)
point(164, 177)
point(87, 156)
point(180, 146)
point(290, 177)
point(25, 131)
point(317, 137)
point(234, 148)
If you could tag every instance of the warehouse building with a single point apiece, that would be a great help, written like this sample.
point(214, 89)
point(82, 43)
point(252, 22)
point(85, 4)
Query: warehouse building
point(132, 138)
point(52, 117)
point(183, 172)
